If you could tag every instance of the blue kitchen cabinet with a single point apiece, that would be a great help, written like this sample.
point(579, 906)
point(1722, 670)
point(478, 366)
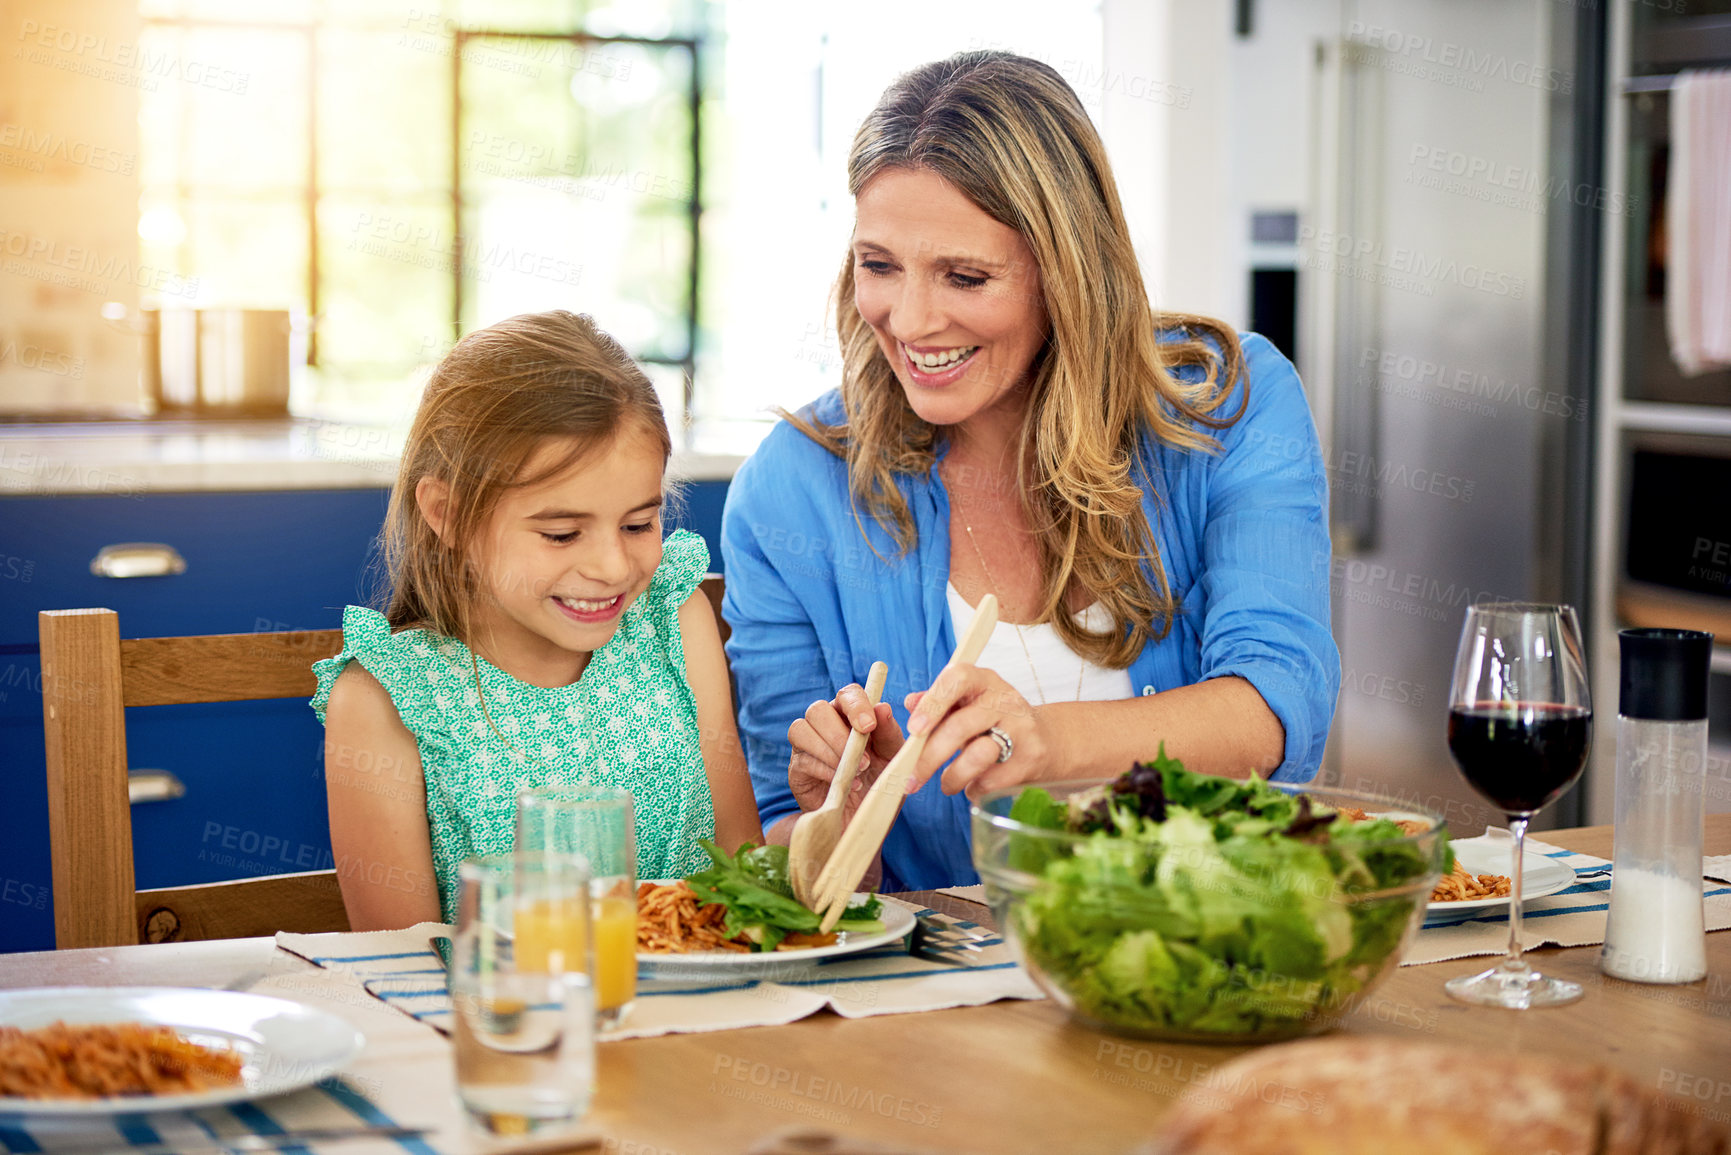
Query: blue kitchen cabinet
point(273, 560)
point(277, 560)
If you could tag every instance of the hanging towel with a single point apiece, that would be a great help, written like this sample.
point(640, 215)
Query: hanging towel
point(1698, 221)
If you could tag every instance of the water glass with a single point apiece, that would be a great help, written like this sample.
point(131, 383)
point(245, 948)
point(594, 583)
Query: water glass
point(597, 823)
point(521, 994)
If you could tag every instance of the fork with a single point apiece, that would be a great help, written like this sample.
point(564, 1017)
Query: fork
point(937, 941)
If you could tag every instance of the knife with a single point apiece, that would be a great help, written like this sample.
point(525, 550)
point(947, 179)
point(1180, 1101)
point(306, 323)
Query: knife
point(249, 1142)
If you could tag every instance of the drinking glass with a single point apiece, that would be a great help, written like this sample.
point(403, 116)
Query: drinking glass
point(521, 995)
point(1520, 722)
point(596, 823)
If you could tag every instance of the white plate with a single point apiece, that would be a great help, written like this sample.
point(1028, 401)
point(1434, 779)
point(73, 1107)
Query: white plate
point(287, 1045)
point(1540, 876)
point(897, 917)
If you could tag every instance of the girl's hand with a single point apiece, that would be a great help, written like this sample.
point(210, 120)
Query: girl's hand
point(960, 707)
point(818, 739)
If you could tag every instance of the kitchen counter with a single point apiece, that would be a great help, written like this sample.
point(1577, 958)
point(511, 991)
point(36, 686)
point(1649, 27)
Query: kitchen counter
point(127, 458)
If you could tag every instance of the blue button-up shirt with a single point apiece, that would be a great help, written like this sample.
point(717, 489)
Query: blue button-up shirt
point(816, 594)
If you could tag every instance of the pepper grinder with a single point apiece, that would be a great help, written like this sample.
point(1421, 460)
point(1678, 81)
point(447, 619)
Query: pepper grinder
point(1655, 932)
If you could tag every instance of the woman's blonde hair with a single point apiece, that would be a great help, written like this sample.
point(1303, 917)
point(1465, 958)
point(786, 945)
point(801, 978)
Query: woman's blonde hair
point(1010, 134)
point(491, 403)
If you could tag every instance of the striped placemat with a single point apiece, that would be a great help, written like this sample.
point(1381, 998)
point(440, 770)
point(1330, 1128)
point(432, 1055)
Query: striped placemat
point(404, 1076)
point(1571, 917)
point(403, 970)
point(339, 1102)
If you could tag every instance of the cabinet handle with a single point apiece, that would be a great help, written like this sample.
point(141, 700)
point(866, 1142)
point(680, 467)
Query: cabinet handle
point(137, 559)
point(153, 786)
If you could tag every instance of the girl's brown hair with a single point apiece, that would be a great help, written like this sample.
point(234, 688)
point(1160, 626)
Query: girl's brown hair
point(1010, 134)
point(490, 404)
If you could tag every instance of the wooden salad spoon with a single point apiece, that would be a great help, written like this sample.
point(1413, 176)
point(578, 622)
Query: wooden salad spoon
point(864, 836)
point(816, 832)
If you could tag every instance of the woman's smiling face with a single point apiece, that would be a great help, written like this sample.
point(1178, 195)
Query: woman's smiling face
point(952, 294)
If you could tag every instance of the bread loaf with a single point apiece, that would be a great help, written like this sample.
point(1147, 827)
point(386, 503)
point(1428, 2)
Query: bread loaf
point(1368, 1096)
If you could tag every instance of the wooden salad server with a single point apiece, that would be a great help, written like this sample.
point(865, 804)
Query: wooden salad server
point(865, 835)
point(815, 833)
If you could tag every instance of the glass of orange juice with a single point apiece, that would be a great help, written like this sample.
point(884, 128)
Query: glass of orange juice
point(522, 995)
point(596, 823)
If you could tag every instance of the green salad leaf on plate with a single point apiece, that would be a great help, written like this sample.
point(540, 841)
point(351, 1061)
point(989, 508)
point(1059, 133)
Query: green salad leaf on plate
point(753, 885)
point(1206, 904)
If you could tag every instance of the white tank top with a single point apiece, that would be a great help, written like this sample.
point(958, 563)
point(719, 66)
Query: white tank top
point(1047, 670)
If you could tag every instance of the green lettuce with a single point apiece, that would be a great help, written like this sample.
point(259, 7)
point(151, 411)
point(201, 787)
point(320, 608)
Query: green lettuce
point(753, 885)
point(1207, 905)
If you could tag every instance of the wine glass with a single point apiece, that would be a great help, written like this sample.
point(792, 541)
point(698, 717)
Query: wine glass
point(1519, 725)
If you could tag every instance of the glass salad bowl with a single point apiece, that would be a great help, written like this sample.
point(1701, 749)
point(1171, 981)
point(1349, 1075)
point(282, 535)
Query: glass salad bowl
point(1247, 915)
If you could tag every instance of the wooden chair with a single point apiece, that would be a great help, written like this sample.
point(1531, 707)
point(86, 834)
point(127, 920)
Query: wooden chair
point(713, 588)
point(89, 677)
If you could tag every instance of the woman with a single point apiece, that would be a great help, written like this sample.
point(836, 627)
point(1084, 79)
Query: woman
point(1144, 495)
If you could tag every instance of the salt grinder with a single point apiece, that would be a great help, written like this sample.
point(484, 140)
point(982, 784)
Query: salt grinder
point(1655, 932)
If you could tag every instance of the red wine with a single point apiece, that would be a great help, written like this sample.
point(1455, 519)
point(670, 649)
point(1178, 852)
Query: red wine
point(1520, 755)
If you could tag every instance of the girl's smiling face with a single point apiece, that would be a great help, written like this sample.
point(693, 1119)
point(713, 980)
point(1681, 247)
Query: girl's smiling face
point(952, 295)
point(561, 560)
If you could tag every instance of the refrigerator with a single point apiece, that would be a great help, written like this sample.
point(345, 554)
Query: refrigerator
point(1442, 249)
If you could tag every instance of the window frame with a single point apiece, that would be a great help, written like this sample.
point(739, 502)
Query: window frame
point(693, 203)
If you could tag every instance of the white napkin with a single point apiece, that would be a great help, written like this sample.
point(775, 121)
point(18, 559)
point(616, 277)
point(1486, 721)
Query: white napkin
point(1572, 917)
point(1716, 866)
point(401, 969)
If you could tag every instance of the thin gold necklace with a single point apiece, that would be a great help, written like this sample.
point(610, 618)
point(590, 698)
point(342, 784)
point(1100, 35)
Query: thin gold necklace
point(991, 587)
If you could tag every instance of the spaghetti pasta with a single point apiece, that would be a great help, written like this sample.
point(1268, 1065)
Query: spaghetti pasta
point(1461, 886)
point(670, 920)
point(1456, 886)
point(109, 1060)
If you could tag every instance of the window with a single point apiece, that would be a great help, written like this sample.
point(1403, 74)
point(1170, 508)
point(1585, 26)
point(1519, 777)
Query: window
point(575, 185)
point(400, 176)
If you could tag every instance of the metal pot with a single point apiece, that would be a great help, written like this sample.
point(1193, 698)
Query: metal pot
point(224, 361)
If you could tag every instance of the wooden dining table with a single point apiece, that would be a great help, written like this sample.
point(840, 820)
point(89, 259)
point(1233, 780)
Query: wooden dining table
point(1018, 1075)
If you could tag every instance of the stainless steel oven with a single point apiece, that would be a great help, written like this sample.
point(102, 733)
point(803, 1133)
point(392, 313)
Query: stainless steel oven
point(1675, 554)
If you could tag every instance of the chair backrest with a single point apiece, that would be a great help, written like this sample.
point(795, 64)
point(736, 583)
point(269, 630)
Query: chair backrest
point(89, 677)
point(713, 588)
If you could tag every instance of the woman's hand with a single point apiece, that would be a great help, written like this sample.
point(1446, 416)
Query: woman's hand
point(818, 739)
point(961, 706)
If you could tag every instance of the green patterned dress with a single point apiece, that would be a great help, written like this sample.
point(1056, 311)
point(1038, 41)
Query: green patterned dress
point(630, 721)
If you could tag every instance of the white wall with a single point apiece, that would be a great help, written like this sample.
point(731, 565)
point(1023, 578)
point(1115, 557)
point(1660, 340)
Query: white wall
point(69, 204)
point(1166, 120)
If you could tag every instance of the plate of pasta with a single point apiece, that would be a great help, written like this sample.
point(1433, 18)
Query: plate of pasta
point(1480, 882)
point(677, 934)
point(110, 1050)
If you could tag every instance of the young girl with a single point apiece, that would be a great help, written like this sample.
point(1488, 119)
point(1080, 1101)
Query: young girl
point(540, 631)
